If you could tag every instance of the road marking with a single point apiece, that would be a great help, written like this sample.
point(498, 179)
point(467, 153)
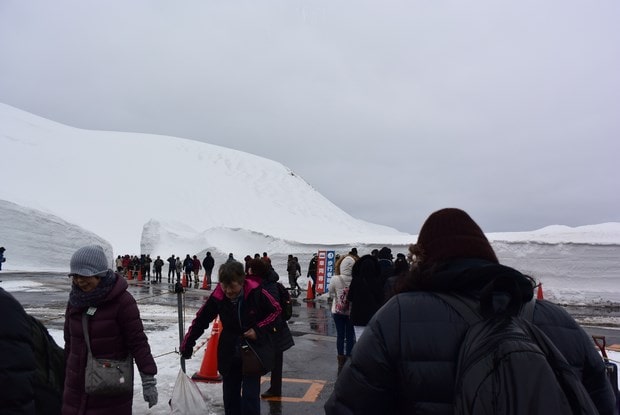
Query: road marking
point(311, 395)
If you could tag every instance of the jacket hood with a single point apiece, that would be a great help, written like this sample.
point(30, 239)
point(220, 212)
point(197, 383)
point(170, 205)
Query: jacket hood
point(346, 266)
point(472, 275)
point(249, 285)
point(119, 287)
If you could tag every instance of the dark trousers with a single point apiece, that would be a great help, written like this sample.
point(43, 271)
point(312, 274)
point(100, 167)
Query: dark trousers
point(344, 332)
point(276, 373)
point(292, 281)
point(241, 393)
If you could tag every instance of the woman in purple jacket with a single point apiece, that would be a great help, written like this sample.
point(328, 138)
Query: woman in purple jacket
point(115, 331)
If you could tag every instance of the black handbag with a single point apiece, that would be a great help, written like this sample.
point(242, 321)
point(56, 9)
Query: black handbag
point(257, 357)
point(251, 362)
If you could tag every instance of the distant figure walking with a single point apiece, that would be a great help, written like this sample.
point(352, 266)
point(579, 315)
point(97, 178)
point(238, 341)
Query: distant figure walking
point(197, 266)
point(179, 266)
point(338, 291)
point(2, 258)
point(188, 267)
point(208, 263)
point(312, 272)
point(291, 270)
point(172, 267)
point(157, 266)
point(365, 292)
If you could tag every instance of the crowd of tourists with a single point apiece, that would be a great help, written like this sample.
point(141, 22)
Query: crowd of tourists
point(407, 329)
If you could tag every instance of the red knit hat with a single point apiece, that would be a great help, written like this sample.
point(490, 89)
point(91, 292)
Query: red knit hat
point(452, 233)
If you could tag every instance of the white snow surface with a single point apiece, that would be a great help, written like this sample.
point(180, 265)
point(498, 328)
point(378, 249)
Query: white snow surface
point(115, 183)
point(65, 187)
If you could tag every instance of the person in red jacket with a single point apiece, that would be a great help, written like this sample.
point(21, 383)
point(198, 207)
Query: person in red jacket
point(114, 328)
point(196, 268)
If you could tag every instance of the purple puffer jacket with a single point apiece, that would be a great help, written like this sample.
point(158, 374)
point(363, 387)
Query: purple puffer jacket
point(115, 330)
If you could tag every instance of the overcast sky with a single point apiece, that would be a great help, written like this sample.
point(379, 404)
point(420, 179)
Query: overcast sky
point(391, 109)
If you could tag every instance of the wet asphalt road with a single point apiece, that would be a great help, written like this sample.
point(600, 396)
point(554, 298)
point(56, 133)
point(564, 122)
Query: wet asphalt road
point(309, 367)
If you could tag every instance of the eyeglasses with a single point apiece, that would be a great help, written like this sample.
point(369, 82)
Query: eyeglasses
point(75, 277)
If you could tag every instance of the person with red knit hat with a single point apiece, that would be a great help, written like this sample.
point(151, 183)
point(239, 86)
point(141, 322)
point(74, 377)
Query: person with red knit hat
point(406, 359)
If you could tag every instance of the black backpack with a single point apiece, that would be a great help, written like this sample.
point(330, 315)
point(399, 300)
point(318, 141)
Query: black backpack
point(50, 369)
point(285, 301)
point(507, 365)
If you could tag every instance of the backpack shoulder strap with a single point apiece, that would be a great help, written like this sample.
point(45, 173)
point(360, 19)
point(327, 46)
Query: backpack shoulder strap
point(527, 310)
point(466, 307)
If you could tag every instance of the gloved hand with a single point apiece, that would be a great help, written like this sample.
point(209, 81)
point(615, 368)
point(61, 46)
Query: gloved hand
point(186, 353)
point(149, 389)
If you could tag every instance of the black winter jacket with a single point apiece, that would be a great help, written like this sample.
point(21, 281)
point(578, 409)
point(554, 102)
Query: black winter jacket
point(282, 337)
point(17, 360)
point(257, 310)
point(365, 290)
point(405, 361)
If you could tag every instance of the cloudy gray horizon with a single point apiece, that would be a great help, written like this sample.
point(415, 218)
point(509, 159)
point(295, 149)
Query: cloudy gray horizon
point(391, 110)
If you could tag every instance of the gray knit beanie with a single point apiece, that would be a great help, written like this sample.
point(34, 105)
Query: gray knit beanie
point(89, 261)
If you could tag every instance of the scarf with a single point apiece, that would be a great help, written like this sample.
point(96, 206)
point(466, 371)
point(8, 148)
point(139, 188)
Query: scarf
point(80, 299)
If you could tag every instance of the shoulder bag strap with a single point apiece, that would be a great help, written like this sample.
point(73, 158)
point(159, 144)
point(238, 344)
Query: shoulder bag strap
point(465, 307)
point(527, 310)
point(85, 328)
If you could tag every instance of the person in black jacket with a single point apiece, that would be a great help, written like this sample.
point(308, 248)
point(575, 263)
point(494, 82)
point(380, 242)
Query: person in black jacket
point(172, 267)
point(248, 314)
point(283, 340)
point(208, 263)
point(2, 258)
point(365, 292)
point(17, 360)
point(312, 269)
point(405, 362)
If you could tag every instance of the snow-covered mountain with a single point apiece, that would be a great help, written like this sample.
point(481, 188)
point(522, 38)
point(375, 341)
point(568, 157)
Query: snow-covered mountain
point(115, 184)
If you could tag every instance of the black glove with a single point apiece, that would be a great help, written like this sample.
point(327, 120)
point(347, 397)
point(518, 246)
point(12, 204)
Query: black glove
point(187, 353)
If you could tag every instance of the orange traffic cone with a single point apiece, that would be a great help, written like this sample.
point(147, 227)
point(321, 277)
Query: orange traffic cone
point(139, 275)
point(539, 295)
point(129, 275)
point(309, 293)
point(208, 369)
point(184, 281)
point(206, 285)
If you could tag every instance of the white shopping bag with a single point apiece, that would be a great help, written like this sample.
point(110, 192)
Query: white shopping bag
point(186, 397)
